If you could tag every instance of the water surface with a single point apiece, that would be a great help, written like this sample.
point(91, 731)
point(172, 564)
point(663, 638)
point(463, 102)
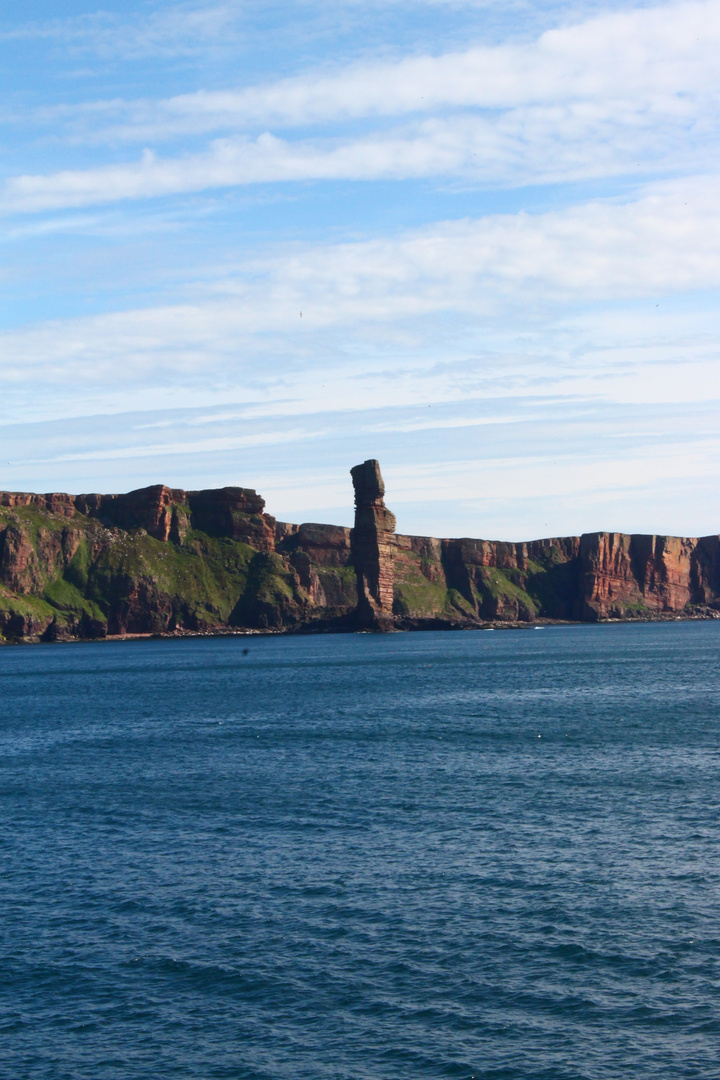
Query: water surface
point(477, 854)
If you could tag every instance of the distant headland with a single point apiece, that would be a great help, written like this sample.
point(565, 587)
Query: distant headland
point(166, 561)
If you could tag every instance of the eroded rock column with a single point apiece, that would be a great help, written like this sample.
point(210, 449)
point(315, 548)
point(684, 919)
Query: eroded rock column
point(373, 547)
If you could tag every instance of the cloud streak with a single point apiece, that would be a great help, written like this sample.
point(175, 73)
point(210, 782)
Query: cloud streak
point(555, 460)
point(543, 148)
point(645, 56)
point(180, 29)
point(493, 272)
point(602, 98)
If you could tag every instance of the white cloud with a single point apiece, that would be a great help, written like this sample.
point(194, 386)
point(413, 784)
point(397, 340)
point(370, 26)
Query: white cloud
point(382, 299)
point(622, 91)
point(539, 147)
point(534, 476)
point(168, 31)
point(557, 468)
point(663, 58)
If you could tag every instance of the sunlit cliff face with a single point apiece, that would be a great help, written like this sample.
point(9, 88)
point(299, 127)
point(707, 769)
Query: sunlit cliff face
point(167, 561)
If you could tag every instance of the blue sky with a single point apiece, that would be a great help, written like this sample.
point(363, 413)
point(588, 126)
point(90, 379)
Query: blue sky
point(499, 221)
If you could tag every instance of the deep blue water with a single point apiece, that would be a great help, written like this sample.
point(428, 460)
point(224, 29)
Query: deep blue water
point(481, 854)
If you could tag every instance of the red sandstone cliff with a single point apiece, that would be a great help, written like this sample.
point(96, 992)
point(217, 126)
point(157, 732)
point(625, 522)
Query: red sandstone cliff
point(622, 574)
point(373, 546)
point(167, 560)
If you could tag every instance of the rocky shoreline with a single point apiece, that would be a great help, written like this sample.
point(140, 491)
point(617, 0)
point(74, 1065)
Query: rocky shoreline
point(163, 562)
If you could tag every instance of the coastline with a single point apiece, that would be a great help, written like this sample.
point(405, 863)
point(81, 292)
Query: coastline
point(315, 630)
point(164, 562)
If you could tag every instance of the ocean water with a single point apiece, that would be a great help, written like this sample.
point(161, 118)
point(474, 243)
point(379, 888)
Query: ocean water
point(468, 855)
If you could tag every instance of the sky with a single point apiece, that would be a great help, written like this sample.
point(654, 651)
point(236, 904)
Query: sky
point(257, 243)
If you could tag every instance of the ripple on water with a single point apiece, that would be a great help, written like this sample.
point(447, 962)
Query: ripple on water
point(352, 857)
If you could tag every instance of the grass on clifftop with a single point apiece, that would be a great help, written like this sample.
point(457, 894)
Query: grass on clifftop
point(205, 575)
point(33, 520)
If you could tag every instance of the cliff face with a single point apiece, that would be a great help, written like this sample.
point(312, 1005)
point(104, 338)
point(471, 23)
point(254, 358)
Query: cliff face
point(373, 547)
point(622, 574)
point(481, 580)
point(163, 560)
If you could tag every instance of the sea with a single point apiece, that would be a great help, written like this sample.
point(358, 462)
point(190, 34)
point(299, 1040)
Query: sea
point(481, 855)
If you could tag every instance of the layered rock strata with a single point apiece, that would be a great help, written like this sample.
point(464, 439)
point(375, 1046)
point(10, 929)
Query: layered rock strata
point(165, 560)
point(373, 547)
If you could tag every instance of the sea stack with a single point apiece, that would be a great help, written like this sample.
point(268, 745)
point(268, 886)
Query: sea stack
point(373, 546)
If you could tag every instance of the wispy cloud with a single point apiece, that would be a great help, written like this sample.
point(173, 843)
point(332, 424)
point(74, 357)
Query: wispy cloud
point(550, 468)
point(497, 269)
point(635, 56)
point(659, 57)
point(167, 31)
point(622, 91)
point(565, 145)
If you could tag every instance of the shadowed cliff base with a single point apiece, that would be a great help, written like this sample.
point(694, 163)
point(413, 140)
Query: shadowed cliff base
point(166, 561)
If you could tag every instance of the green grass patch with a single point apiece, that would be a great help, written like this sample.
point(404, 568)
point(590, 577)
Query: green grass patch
point(271, 597)
point(21, 609)
point(339, 584)
point(503, 585)
point(416, 597)
point(76, 572)
point(633, 607)
point(455, 602)
point(67, 598)
point(203, 575)
point(26, 605)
